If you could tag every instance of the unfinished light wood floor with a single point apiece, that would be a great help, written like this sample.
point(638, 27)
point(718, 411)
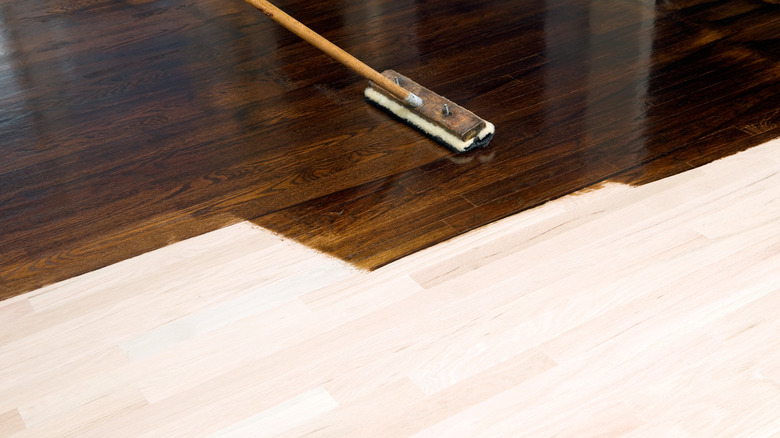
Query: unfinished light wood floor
point(647, 311)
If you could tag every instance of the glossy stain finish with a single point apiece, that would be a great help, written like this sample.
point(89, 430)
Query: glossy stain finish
point(129, 125)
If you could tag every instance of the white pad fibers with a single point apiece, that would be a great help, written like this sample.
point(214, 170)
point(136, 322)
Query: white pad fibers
point(424, 125)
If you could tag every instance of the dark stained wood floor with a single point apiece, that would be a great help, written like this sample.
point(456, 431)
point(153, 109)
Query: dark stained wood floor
point(129, 125)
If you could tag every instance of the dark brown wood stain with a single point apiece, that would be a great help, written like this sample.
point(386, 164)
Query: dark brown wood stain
point(126, 126)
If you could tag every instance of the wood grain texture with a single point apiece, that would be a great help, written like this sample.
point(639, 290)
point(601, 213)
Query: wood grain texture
point(11, 423)
point(623, 311)
point(127, 126)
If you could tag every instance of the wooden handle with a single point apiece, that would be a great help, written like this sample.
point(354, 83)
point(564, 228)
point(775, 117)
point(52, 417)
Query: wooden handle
point(334, 51)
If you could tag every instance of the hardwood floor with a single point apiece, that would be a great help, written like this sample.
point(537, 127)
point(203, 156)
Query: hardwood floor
point(127, 126)
point(625, 311)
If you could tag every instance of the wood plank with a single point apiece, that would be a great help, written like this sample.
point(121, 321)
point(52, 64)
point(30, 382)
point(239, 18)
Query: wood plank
point(11, 423)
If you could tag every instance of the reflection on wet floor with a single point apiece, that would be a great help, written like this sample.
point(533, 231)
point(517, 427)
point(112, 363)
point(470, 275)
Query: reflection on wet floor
point(130, 125)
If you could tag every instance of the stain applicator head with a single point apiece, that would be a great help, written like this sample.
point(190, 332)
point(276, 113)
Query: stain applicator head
point(448, 123)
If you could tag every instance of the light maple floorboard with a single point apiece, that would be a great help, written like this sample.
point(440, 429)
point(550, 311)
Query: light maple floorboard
point(641, 312)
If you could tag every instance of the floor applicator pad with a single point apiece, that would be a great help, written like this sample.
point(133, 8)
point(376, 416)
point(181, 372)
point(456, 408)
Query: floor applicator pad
point(445, 121)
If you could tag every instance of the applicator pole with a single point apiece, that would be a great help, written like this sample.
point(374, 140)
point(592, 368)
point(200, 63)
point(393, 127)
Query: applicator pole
point(335, 52)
